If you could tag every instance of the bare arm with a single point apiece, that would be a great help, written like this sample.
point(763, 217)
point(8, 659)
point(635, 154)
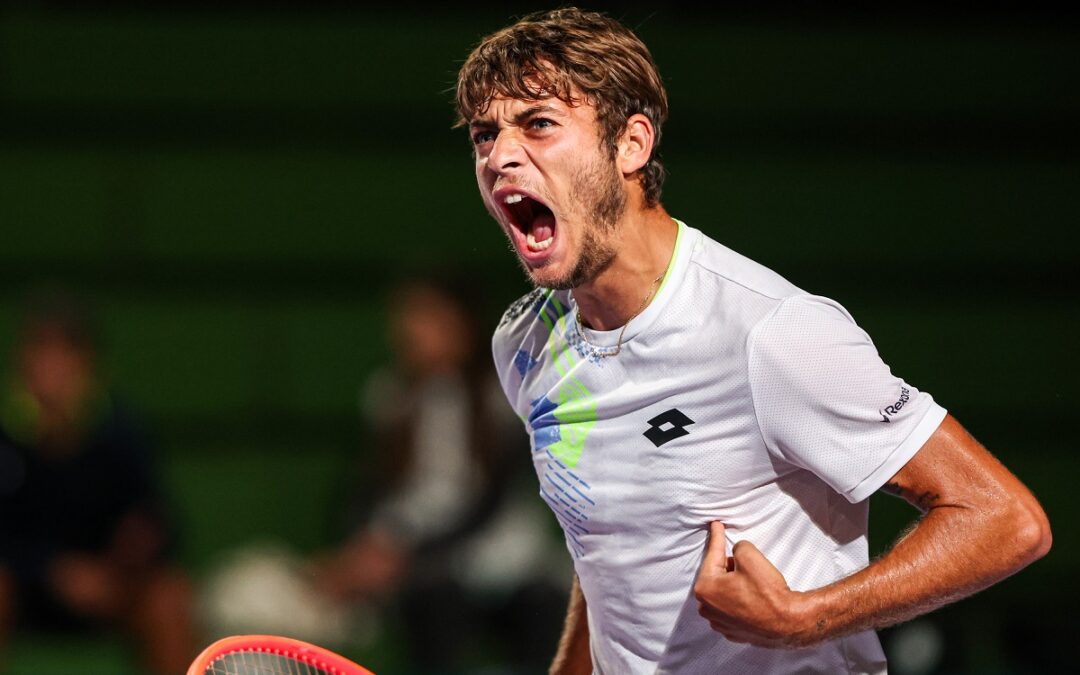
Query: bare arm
point(573, 656)
point(980, 525)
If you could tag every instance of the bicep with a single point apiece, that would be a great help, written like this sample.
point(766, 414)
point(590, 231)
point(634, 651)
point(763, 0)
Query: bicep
point(952, 469)
point(973, 506)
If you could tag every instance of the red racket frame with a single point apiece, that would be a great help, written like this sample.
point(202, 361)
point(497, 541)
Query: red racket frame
point(282, 646)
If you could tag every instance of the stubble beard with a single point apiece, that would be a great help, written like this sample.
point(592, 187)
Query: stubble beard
point(600, 196)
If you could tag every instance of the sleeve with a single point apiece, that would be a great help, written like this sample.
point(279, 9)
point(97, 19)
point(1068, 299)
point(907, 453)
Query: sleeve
point(826, 402)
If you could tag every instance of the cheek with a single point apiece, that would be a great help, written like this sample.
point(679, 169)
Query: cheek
point(483, 176)
point(492, 209)
point(485, 182)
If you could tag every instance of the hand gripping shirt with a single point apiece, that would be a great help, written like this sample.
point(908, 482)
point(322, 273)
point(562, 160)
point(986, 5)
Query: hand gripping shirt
point(735, 397)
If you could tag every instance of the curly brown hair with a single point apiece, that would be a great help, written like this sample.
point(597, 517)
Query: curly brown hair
point(572, 55)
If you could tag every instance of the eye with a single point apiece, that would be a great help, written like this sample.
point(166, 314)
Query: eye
point(482, 137)
point(541, 123)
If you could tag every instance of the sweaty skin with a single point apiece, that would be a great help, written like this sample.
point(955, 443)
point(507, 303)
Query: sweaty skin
point(551, 151)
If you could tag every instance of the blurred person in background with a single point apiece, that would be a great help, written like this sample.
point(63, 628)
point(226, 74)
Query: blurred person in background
point(84, 541)
point(452, 534)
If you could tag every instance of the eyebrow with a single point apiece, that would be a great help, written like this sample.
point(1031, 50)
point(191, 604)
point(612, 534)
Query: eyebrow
point(518, 118)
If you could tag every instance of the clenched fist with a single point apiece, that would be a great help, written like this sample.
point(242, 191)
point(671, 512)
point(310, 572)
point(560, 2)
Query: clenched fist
point(746, 599)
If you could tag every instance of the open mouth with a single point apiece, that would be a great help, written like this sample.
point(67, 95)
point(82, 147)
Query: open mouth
point(532, 219)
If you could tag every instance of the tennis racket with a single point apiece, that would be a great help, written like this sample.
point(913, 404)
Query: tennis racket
point(270, 655)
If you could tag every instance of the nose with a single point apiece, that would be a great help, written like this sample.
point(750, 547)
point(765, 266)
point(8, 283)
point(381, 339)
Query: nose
point(506, 153)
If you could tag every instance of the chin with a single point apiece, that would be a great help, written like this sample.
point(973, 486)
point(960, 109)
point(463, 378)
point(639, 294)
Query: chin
point(546, 278)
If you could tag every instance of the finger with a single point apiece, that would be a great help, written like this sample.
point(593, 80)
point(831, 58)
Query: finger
point(716, 557)
point(731, 629)
point(745, 637)
point(716, 616)
point(728, 632)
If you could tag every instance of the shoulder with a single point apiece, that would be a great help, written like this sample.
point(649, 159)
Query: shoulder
point(807, 306)
point(797, 319)
point(810, 342)
point(800, 324)
point(523, 332)
point(515, 323)
point(521, 307)
point(731, 292)
point(711, 258)
point(534, 313)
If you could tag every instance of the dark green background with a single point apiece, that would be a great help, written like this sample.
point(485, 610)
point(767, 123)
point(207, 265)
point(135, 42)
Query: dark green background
point(236, 187)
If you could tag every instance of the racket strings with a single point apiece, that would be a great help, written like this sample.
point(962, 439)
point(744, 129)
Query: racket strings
point(249, 662)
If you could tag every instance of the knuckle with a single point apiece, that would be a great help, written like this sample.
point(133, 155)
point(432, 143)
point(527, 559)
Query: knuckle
point(701, 591)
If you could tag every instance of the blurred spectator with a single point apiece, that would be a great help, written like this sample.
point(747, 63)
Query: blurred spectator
point(84, 542)
point(454, 534)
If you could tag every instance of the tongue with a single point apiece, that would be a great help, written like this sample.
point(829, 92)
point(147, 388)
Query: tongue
point(543, 227)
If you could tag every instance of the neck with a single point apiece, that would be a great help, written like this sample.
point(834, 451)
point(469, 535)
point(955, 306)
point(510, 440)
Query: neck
point(617, 294)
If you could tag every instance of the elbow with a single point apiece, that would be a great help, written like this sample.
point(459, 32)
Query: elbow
point(1033, 535)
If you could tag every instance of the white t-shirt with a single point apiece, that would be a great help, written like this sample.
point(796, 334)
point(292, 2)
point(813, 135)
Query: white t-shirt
point(735, 397)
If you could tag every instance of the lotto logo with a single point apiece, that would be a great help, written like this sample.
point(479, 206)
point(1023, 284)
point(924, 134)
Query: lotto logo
point(667, 426)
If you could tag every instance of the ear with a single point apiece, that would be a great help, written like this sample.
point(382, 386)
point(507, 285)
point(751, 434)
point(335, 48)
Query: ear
point(636, 144)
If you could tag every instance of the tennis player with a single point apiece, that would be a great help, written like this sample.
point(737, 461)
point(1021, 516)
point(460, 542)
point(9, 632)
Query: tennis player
point(706, 433)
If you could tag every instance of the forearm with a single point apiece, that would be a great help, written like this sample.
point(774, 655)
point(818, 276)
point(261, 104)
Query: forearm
point(920, 574)
point(573, 656)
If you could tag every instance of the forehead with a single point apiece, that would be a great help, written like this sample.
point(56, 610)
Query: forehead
point(502, 108)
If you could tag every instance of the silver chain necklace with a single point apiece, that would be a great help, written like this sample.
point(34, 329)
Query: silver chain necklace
point(618, 346)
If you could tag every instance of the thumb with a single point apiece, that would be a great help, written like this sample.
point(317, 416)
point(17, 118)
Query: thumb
point(716, 558)
point(749, 559)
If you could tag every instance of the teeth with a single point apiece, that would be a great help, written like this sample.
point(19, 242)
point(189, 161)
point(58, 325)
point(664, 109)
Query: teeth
point(513, 199)
point(538, 245)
